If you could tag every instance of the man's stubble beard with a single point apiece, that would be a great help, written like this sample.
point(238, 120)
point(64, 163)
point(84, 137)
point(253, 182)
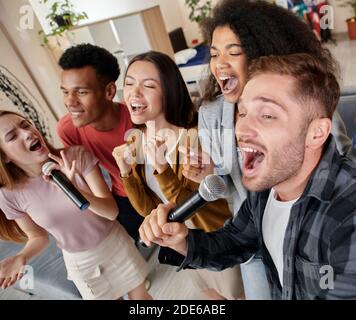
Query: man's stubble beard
point(286, 163)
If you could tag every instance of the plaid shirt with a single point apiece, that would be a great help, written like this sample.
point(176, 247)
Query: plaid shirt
point(319, 247)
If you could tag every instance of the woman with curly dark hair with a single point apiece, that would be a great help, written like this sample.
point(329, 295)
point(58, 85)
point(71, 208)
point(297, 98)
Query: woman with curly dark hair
point(238, 32)
point(263, 29)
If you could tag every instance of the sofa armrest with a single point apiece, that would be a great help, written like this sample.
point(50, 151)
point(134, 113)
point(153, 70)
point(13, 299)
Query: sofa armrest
point(347, 109)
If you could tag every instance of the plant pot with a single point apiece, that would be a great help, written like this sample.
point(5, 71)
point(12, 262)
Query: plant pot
point(63, 20)
point(351, 26)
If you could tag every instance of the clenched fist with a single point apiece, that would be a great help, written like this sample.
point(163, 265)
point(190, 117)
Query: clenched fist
point(155, 228)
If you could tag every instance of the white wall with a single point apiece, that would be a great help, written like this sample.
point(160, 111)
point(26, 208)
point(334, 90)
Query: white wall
point(172, 15)
point(36, 58)
point(175, 13)
point(96, 10)
point(102, 35)
point(132, 43)
point(81, 35)
point(191, 29)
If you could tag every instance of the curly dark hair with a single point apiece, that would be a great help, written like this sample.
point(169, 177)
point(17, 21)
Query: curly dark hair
point(82, 55)
point(263, 29)
point(177, 105)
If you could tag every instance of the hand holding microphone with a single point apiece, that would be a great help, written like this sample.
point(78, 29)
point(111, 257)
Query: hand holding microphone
point(63, 180)
point(153, 228)
point(156, 228)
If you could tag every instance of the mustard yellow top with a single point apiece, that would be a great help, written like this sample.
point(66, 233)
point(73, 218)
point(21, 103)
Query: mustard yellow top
point(174, 186)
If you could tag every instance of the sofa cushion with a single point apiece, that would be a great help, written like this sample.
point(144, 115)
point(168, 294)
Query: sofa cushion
point(347, 109)
point(50, 274)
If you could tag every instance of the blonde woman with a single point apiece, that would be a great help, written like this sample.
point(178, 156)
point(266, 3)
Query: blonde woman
point(100, 257)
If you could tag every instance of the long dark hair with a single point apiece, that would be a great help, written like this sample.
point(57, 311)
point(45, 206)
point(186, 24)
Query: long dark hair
point(177, 105)
point(263, 29)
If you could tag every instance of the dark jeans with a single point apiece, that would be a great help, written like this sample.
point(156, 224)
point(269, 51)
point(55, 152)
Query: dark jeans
point(128, 216)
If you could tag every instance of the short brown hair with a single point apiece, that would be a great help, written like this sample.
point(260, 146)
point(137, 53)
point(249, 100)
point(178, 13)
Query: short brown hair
point(315, 84)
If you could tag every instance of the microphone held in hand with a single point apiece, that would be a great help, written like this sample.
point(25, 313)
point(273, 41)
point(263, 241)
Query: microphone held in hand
point(210, 189)
point(65, 185)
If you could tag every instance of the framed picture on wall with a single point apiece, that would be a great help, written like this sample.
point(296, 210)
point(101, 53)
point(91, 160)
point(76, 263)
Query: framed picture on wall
point(19, 93)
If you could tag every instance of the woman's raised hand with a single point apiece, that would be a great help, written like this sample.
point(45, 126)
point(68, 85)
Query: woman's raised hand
point(123, 156)
point(196, 166)
point(62, 164)
point(156, 150)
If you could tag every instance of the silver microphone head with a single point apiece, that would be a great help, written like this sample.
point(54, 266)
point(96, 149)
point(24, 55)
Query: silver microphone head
point(212, 188)
point(46, 168)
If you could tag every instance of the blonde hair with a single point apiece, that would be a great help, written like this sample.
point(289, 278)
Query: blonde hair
point(10, 176)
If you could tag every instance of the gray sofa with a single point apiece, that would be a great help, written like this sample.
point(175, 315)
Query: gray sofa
point(347, 110)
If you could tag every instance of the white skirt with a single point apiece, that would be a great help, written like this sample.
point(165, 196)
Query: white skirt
point(108, 271)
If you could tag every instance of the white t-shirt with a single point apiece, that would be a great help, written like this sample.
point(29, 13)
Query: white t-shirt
point(274, 224)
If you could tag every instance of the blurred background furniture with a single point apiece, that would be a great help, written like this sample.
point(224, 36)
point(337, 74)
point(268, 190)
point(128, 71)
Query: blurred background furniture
point(178, 40)
point(347, 110)
point(195, 71)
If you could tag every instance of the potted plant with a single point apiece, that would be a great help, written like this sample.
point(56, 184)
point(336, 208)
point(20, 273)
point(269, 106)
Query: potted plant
point(61, 18)
point(199, 10)
point(351, 22)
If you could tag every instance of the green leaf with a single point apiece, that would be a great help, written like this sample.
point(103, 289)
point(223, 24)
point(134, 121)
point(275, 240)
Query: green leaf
point(64, 8)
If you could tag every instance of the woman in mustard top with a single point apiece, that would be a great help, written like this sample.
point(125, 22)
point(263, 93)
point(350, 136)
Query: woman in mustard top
point(150, 162)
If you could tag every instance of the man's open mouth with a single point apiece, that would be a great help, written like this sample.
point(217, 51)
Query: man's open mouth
point(252, 159)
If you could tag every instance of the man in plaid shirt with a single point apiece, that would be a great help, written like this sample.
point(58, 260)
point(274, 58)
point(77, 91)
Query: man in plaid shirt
point(301, 208)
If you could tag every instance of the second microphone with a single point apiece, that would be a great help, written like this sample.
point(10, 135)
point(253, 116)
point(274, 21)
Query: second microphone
point(210, 189)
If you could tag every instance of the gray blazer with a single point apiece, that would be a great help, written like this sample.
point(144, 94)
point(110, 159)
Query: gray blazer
point(217, 136)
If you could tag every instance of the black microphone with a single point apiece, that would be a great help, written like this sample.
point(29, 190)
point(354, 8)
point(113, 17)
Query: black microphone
point(210, 189)
point(65, 185)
